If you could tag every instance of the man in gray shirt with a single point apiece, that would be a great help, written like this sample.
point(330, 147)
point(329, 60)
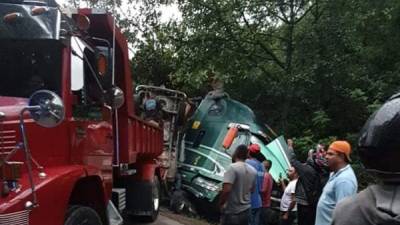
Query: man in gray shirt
point(239, 182)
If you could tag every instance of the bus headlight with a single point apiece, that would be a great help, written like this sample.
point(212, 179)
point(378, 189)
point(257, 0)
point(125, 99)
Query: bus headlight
point(209, 185)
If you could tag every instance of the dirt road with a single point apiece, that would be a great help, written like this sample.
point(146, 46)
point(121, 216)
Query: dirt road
point(168, 218)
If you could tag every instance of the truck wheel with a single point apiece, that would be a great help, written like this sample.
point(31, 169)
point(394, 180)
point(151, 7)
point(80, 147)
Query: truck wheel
point(81, 215)
point(155, 201)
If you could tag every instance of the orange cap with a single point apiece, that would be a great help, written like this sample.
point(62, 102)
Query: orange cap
point(343, 147)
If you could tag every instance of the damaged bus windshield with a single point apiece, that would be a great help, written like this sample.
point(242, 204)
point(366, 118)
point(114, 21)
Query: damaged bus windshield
point(29, 65)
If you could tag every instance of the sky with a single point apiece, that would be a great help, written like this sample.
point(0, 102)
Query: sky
point(168, 11)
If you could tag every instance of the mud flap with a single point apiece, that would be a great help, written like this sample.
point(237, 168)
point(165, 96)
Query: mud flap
point(139, 198)
point(143, 199)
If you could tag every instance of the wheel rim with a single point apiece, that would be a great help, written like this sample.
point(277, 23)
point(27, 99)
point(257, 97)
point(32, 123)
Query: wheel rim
point(156, 199)
point(156, 203)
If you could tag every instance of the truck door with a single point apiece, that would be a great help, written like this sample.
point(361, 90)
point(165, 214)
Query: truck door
point(92, 131)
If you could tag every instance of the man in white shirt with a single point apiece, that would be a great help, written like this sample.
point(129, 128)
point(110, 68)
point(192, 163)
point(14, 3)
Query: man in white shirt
point(288, 206)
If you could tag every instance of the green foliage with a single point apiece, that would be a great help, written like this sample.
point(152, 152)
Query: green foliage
point(320, 120)
point(154, 63)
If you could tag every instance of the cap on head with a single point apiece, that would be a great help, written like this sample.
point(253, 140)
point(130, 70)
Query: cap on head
point(254, 148)
point(342, 147)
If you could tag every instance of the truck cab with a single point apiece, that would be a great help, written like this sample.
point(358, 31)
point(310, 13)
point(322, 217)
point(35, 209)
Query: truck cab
point(98, 150)
point(218, 125)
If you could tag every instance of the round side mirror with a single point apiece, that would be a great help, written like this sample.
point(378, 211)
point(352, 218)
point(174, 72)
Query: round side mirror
point(46, 108)
point(117, 97)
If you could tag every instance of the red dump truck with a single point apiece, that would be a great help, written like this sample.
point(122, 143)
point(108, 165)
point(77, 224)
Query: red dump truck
point(72, 149)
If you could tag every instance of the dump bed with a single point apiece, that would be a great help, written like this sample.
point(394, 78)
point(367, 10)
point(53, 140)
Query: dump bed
point(145, 141)
point(138, 140)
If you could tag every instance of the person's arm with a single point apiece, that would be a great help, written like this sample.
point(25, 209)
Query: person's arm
point(229, 179)
point(292, 203)
point(260, 180)
point(291, 154)
point(253, 187)
point(226, 190)
point(344, 189)
point(266, 183)
point(282, 184)
point(300, 167)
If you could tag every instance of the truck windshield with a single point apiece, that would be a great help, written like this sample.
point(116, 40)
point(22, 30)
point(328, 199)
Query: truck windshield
point(29, 65)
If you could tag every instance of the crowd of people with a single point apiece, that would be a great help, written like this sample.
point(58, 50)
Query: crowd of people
point(323, 189)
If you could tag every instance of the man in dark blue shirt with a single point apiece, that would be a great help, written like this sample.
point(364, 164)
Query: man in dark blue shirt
point(256, 202)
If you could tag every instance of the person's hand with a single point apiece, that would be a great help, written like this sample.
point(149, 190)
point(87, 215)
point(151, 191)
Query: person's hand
point(280, 179)
point(290, 143)
point(285, 216)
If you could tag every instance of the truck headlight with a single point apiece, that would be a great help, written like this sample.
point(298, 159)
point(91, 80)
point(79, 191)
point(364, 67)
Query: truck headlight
point(209, 185)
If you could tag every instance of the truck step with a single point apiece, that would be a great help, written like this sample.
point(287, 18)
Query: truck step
point(119, 198)
point(114, 218)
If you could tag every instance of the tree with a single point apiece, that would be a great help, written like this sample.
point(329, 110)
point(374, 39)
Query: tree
point(241, 41)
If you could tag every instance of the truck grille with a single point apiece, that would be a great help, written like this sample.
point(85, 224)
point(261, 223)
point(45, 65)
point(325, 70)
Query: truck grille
point(8, 140)
point(16, 218)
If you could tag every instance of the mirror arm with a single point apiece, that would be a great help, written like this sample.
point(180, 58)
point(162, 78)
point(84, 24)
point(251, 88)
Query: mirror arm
point(92, 71)
point(107, 106)
point(102, 40)
point(42, 105)
point(34, 107)
point(27, 152)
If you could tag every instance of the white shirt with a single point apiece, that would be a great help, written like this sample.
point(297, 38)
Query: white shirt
point(287, 196)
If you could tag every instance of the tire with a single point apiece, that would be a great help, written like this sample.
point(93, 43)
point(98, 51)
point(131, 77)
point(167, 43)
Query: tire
point(155, 201)
point(177, 202)
point(82, 215)
point(181, 204)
